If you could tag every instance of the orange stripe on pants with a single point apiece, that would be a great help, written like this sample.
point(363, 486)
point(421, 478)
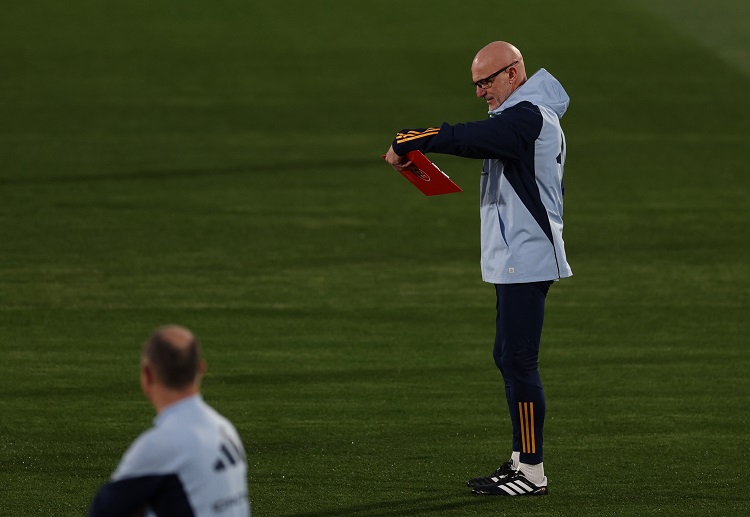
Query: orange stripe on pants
point(526, 417)
point(522, 419)
point(533, 441)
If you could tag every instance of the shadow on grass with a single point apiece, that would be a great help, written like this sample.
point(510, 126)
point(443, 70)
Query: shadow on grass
point(417, 506)
point(197, 172)
point(354, 375)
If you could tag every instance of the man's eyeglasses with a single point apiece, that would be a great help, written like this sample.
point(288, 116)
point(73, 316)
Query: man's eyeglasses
point(487, 81)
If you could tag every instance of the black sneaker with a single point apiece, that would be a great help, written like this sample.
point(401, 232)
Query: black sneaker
point(513, 484)
point(505, 470)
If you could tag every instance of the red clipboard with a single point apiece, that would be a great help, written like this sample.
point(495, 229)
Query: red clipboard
point(427, 177)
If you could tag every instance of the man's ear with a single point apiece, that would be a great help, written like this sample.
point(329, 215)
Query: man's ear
point(512, 74)
point(202, 367)
point(147, 376)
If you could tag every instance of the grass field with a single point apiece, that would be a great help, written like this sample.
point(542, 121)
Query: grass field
point(217, 164)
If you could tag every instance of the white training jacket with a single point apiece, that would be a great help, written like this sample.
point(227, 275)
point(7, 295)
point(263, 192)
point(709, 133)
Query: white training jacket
point(191, 463)
point(521, 187)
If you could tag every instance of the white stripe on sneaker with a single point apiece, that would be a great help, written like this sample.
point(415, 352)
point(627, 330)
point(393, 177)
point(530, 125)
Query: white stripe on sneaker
point(524, 486)
point(505, 487)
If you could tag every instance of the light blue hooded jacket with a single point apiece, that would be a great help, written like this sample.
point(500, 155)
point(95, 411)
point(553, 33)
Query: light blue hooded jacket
point(191, 462)
point(521, 187)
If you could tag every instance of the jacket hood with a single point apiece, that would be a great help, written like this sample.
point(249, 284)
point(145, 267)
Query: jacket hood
point(541, 89)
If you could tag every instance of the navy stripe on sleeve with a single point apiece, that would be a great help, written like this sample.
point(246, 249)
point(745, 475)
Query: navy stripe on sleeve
point(505, 136)
point(123, 498)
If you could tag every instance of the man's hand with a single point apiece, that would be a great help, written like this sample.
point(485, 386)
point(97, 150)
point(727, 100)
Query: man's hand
point(397, 162)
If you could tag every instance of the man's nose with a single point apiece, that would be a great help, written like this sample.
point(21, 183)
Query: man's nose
point(481, 92)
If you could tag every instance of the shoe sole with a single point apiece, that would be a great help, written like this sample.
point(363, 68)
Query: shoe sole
point(542, 491)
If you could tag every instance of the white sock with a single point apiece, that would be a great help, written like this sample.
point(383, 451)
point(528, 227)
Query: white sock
point(515, 458)
point(534, 473)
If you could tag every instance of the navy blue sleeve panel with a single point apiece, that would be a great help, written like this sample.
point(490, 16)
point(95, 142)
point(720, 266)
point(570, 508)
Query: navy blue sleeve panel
point(505, 136)
point(127, 497)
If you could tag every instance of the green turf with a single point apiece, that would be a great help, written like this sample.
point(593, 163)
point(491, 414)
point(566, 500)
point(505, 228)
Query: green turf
point(217, 164)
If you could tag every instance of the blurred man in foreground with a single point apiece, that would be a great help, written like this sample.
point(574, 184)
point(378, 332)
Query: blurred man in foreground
point(192, 462)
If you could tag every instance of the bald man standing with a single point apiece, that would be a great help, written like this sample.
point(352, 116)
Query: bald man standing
point(523, 150)
point(192, 462)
